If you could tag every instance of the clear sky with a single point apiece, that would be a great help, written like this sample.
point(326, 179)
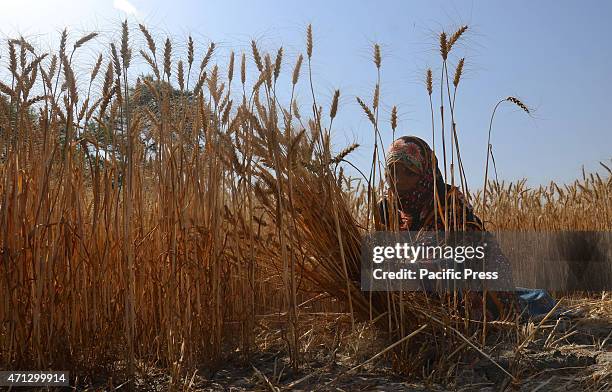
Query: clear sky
point(555, 55)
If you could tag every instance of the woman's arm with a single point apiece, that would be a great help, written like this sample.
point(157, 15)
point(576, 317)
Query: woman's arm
point(462, 206)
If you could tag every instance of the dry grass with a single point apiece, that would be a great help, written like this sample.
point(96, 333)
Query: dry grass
point(156, 221)
point(582, 205)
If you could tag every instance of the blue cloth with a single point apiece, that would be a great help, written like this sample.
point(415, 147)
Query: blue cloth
point(535, 302)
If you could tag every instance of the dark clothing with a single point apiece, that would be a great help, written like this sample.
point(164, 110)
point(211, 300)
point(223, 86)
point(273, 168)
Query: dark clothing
point(463, 212)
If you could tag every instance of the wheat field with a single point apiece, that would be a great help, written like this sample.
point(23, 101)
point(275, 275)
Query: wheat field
point(180, 218)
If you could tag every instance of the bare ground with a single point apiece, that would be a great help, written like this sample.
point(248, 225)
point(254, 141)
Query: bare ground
point(564, 355)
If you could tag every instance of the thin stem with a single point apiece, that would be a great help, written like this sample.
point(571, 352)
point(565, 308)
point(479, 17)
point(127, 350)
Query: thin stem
point(484, 188)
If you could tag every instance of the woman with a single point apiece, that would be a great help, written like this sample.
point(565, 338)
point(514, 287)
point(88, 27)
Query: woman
point(410, 167)
point(415, 201)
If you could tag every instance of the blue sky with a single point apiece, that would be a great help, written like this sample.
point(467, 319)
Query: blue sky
point(555, 55)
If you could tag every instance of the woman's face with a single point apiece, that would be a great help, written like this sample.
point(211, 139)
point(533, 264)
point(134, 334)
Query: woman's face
point(401, 179)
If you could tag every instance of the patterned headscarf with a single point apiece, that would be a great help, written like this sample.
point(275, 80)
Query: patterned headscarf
point(412, 152)
point(415, 155)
